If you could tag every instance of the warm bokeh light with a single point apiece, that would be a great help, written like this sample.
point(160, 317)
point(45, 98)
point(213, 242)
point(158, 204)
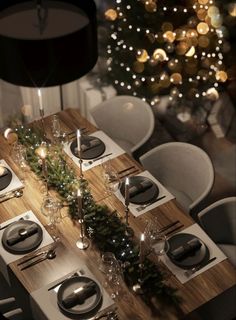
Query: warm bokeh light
point(202, 28)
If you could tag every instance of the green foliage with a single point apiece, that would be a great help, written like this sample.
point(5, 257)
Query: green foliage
point(103, 226)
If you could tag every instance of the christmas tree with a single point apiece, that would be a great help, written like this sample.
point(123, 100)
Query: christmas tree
point(173, 48)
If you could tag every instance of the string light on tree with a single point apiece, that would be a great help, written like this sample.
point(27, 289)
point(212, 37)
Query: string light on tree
point(155, 49)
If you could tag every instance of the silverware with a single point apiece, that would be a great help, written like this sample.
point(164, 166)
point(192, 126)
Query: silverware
point(129, 173)
point(199, 267)
point(106, 314)
point(173, 230)
point(13, 194)
point(94, 160)
point(168, 226)
point(51, 254)
point(32, 257)
point(124, 170)
point(144, 206)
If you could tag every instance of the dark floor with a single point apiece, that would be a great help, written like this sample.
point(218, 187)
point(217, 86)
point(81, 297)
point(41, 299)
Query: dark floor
point(222, 152)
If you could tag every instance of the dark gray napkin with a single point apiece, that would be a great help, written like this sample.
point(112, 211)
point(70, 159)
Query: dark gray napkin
point(73, 299)
point(17, 237)
point(186, 249)
point(139, 188)
point(89, 144)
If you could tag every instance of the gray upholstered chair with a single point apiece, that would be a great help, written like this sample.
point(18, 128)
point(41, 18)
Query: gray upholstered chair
point(184, 169)
point(9, 309)
point(128, 120)
point(219, 222)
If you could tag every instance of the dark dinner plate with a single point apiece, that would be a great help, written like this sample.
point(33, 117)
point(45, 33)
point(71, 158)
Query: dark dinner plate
point(144, 196)
point(28, 244)
point(91, 152)
point(6, 179)
point(90, 305)
point(191, 260)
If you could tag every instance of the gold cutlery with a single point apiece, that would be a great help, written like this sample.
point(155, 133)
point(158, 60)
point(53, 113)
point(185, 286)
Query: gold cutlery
point(168, 226)
point(173, 230)
point(127, 169)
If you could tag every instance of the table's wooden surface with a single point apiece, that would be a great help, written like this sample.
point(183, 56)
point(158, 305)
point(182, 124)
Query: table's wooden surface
point(194, 293)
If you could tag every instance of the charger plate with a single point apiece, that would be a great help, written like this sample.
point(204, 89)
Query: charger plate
point(5, 180)
point(90, 153)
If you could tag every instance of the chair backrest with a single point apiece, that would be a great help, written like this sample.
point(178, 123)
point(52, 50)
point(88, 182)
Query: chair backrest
point(126, 119)
point(181, 166)
point(219, 220)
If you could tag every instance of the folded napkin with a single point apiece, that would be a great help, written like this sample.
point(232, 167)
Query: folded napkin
point(17, 236)
point(139, 188)
point(79, 295)
point(3, 171)
point(89, 144)
point(186, 249)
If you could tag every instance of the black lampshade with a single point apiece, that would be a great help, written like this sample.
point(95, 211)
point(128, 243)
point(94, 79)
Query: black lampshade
point(46, 42)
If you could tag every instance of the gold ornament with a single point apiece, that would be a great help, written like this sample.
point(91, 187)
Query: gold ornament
point(181, 48)
point(169, 36)
point(221, 76)
point(159, 55)
point(138, 67)
point(176, 78)
point(202, 28)
point(111, 15)
point(190, 52)
point(142, 55)
point(203, 41)
point(212, 94)
point(150, 6)
point(167, 26)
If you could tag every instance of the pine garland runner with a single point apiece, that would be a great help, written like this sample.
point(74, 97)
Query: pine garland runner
point(103, 226)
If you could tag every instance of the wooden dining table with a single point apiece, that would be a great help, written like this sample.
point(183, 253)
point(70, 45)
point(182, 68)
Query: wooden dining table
point(195, 293)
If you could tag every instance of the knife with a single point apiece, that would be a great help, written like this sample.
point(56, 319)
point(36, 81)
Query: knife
point(202, 265)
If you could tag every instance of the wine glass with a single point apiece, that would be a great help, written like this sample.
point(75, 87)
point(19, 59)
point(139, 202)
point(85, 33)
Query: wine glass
point(155, 240)
point(51, 208)
point(112, 269)
point(56, 128)
point(19, 156)
point(110, 176)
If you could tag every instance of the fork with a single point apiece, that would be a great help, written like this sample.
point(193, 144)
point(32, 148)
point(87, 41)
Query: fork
point(190, 272)
point(144, 206)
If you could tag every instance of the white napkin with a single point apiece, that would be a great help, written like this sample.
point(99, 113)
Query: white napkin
point(6, 257)
point(44, 302)
point(15, 182)
point(214, 251)
point(111, 147)
point(162, 192)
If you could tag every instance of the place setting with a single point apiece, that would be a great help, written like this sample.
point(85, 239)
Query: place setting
point(77, 295)
point(10, 184)
point(19, 236)
point(88, 151)
point(191, 252)
point(144, 192)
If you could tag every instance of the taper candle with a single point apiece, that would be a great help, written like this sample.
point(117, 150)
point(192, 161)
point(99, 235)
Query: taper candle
point(127, 191)
point(79, 142)
point(141, 249)
point(79, 200)
point(40, 100)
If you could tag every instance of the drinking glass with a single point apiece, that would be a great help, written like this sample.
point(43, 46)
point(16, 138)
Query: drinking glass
point(56, 128)
point(110, 176)
point(19, 156)
point(112, 269)
point(51, 208)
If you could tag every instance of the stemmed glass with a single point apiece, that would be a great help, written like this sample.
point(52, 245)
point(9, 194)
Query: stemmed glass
point(156, 241)
point(110, 266)
point(56, 128)
point(51, 209)
point(110, 176)
point(19, 157)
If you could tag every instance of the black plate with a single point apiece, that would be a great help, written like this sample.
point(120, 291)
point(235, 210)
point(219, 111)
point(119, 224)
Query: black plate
point(5, 180)
point(192, 260)
point(90, 305)
point(91, 153)
point(142, 197)
point(28, 244)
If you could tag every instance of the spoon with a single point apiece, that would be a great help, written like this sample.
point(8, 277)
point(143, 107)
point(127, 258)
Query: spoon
point(51, 254)
point(14, 194)
point(94, 160)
